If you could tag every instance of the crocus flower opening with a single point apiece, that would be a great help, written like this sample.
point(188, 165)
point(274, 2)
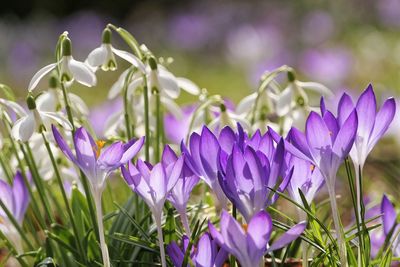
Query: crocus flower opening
point(97, 164)
point(153, 184)
point(250, 246)
point(16, 199)
point(206, 253)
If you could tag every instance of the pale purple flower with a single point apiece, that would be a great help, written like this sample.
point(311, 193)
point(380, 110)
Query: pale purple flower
point(206, 253)
point(249, 246)
point(180, 193)
point(95, 163)
point(177, 128)
point(372, 124)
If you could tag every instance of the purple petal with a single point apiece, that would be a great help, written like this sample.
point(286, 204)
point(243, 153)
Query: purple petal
point(174, 173)
point(21, 195)
point(296, 144)
point(276, 164)
point(345, 138)
point(292, 234)
point(318, 136)
point(63, 145)
point(389, 215)
point(168, 156)
point(227, 138)
point(158, 182)
point(331, 123)
point(110, 158)
point(382, 121)
point(366, 111)
point(6, 195)
point(205, 252)
point(131, 149)
point(175, 254)
point(209, 148)
point(216, 235)
point(233, 234)
point(322, 106)
point(345, 107)
point(258, 233)
point(85, 152)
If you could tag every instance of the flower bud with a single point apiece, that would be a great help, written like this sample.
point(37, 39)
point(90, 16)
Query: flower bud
point(106, 38)
point(30, 102)
point(66, 47)
point(152, 63)
point(291, 76)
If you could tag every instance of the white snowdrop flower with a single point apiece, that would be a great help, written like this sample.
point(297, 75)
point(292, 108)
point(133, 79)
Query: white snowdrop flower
point(69, 69)
point(103, 56)
point(228, 118)
point(34, 119)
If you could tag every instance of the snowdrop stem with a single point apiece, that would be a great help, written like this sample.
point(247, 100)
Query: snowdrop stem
point(64, 196)
point(100, 226)
point(338, 226)
point(146, 118)
point(158, 127)
point(157, 219)
point(126, 105)
point(67, 106)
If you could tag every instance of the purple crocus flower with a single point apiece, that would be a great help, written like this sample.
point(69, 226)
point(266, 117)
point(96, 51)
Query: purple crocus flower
point(389, 230)
point(203, 160)
point(248, 175)
point(250, 245)
point(372, 124)
point(97, 165)
point(16, 199)
point(153, 184)
point(206, 254)
point(180, 193)
point(178, 128)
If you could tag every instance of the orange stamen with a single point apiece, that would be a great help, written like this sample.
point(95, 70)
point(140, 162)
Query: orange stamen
point(312, 167)
point(244, 226)
point(99, 145)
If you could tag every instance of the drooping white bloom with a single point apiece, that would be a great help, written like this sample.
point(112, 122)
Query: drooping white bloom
point(32, 120)
point(103, 56)
point(69, 69)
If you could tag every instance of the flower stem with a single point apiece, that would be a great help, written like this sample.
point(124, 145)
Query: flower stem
point(157, 219)
point(185, 222)
point(103, 245)
point(146, 118)
point(338, 227)
point(158, 127)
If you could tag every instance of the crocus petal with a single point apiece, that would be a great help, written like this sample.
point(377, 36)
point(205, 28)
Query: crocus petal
point(110, 158)
point(131, 149)
point(62, 144)
point(174, 173)
point(98, 56)
point(258, 233)
point(130, 58)
point(382, 121)
point(82, 73)
point(233, 234)
point(216, 235)
point(188, 86)
point(158, 182)
point(39, 75)
point(345, 138)
point(6, 194)
point(168, 156)
point(345, 107)
point(20, 191)
point(85, 152)
point(204, 255)
point(24, 128)
point(297, 144)
point(366, 111)
point(175, 253)
point(289, 236)
point(209, 147)
point(318, 136)
point(389, 215)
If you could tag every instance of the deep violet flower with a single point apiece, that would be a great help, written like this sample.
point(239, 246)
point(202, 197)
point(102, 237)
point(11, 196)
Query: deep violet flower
point(249, 246)
point(153, 184)
point(97, 166)
point(248, 175)
point(16, 199)
point(206, 253)
point(180, 193)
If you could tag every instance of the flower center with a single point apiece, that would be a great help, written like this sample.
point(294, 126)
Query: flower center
point(312, 167)
point(99, 145)
point(244, 226)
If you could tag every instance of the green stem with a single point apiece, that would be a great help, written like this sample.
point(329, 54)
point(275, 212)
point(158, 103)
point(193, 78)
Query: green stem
point(158, 127)
point(37, 180)
point(160, 239)
point(99, 213)
point(13, 250)
point(146, 118)
point(64, 196)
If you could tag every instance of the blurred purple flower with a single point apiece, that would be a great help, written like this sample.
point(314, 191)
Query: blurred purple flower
point(99, 115)
point(318, 26)
point(178, 128)
point(250, 245)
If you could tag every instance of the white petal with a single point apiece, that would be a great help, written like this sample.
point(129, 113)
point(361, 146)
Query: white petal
point(116, 88)
point(47, 101)
point(14, 107)
point(246, 104)
point(172, 107)
point(169, 85)
point(24, 128)
point(78, 104)
point(57, 117)
point(82, 73)
point(316, 87)
point(284, 102)
point(188, 86)
point(97, 57)
point(39, 75)
point(130, 58)
point(134, 85)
